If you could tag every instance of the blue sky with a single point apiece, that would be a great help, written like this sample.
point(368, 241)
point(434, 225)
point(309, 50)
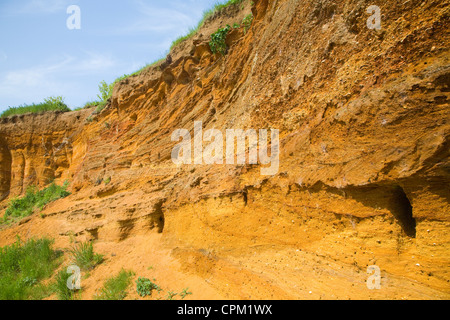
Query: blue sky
point(41, 57)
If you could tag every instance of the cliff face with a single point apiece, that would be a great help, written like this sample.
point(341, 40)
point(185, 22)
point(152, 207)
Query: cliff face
point(37, 149)
point(364, 165)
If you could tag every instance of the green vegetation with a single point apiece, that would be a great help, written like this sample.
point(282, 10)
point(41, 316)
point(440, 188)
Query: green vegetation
point(34, 200)
point(91, 104)
point(217, 43)
point(57, 103)
point(107, 181)
point(218, 39)
point(145, 287)
point(49, 104)
point(185, 293)
point(247, 22)
point(60, 286)
point(171, 295)
point(84, 257)
point(106, 90)
point(115, 288)
point(206, 15)
point(23, 267)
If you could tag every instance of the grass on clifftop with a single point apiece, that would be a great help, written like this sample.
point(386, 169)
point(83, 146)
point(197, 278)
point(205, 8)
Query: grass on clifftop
point(49, 104)
point(23, 267)
point(34, 200)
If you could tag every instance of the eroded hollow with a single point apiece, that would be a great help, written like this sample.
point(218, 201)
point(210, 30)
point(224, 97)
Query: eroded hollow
point(5, 170)
point(159, 216)
point(391, 197)
point(403, 211)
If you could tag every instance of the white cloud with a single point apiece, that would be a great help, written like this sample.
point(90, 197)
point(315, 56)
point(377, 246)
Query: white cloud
point(93, 63)
point(157, 19)
point(44, 6)
point(35, 76)
point(58, 77)
point(69, 65)
point(33, 7)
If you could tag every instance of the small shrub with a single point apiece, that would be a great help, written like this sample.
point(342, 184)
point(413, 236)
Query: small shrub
point(217, 43)
point(115, 288)
point(247, 22)
point(105, 90)
point(84, 257)
point(145, 287)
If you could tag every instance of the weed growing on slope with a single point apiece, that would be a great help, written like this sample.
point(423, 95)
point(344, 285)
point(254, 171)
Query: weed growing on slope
point(185, 293)
point(145, 287)
point(23, 267)
point(116, 288)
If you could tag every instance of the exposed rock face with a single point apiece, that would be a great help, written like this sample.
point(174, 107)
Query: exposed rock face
point(364, 166)
point(37, 149)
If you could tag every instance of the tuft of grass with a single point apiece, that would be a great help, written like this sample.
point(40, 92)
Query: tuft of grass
point(145, 287)
point(23, 266)
point(49, 104)
point(92, 104)
point(60, 286)
point(116, 288)
point(84, 257)
point(34, 200)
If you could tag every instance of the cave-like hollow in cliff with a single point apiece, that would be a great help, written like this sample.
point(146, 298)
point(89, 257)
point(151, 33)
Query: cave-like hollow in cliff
point(5, 169)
